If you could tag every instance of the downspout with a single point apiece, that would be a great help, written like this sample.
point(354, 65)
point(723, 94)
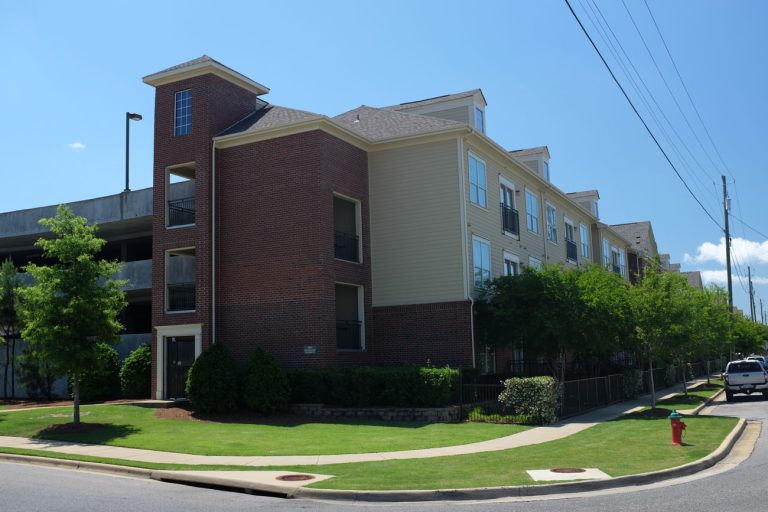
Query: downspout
point(464, 247)
point(545, 225)
point(213, 243)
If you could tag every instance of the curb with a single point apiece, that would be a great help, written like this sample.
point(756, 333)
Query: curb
point(707, 403)
point(76, 464)
point(529, 490)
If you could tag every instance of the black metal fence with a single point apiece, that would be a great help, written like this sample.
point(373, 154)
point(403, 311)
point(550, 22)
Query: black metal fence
point(181, 211)
point(479, 401)
point(345, 246)
point(510, 219)
point(181, 297)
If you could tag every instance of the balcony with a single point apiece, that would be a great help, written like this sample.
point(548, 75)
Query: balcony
point(616, 269)
point(510, 220)
point(181, 297)
point(345, 246)
point(348, 335)
point(181, 212)
point(570, 250)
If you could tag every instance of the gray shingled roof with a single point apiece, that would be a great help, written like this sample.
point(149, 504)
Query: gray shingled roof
point(201, 59)
point(379, 124)
point(270, 116)
point(437, 99)
point(638, 234)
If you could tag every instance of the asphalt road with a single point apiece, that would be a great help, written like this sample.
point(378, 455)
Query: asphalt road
point(30, 488)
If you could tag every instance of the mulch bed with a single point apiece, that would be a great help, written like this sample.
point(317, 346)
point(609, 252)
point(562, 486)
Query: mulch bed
point(649, 414)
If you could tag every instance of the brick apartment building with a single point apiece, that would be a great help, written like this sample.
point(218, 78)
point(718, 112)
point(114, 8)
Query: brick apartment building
point(359, 239)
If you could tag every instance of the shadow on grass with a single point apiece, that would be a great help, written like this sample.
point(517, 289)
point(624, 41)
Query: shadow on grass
point(692, 400)
point(90, 433)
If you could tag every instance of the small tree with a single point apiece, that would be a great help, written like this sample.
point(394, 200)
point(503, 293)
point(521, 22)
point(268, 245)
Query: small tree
point(74, 303)
point(9, 320)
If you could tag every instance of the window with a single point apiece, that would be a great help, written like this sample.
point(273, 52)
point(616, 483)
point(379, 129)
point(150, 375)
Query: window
point(509, 218)
point(606, 253)
point(534, 263)
point(570, 243)
point(551, 223)
point(350, 334)
point(477, 190)
point(532, 211)
point(479, 120)
point(584, 237)
point(546, 170)
point(615, 260)
point(182, 124)
point(622, 263)
point(481, 256)
point(346, 229)
point(511, 264)
point(180, 280)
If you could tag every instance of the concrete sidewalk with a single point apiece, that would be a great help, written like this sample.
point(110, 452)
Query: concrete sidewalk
point(533, 436)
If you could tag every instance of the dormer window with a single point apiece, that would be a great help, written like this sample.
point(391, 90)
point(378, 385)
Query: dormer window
point(479, 120)
point(182, 124)
point(545, 170)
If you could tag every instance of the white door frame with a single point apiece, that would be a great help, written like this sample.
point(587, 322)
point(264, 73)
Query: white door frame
point(167, 331)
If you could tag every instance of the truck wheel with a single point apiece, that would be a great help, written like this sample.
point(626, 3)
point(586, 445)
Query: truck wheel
point(728, 396)
point(765, 395)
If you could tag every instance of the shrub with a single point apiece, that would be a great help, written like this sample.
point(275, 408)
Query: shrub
point(36, 376)
point(212, 381)
point(633, 383)
point(401, 386)
point(265, 384)
point(102, 380)
point(536, 397)
point(671, 375)
point(136, 373)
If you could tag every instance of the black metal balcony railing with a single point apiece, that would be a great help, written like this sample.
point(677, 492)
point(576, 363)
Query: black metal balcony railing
point(616, 269)
point(348, 335)
point(345, 246)
point(181, 211)
point(510, 219)
point(570, 250)
point(181, 297)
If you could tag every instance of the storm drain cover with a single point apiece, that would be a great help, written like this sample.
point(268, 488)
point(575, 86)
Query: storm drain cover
point(567, 470)
point(295, 478)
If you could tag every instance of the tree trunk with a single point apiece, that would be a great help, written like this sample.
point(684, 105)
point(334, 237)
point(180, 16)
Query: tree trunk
point(76, 396)
point(5, 373)
point(685, 386)
point(13, 367)
point(708, 371)
point(653, 388)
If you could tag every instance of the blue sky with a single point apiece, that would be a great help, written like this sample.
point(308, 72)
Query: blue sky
point(72, 69)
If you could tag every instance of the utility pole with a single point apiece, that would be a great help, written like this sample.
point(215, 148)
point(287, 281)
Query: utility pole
point(751, 294)
point(727, 247)
point(762, 313)
point(728, 254)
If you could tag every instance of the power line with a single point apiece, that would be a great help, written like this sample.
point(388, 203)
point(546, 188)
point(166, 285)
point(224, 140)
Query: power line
point(685, 88)
point(631, 104)
point(750, 227)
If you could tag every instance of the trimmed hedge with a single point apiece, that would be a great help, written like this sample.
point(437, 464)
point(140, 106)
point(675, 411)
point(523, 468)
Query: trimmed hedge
point(402, 386)
point(265, 384)
point(102, 380)
point(535, 397)
point(136, 373)
point(212, 381)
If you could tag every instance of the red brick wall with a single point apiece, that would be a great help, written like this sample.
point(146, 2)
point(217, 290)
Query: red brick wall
point(216, 104)
point(413, 334)
point(276, 270)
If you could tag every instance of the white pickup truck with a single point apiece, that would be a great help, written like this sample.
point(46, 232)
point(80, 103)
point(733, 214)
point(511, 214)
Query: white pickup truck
point(745, 377)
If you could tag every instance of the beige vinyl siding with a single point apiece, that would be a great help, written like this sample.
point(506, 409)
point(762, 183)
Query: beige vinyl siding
point(460, 114)
point(486, 222)
point(556, 253)
point(416, 254)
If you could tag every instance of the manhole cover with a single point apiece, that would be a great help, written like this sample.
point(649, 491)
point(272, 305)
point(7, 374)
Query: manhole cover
point(295, 478)
point(567, 470)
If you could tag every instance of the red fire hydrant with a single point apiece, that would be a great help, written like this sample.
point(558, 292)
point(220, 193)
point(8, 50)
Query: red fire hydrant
point(677, 428)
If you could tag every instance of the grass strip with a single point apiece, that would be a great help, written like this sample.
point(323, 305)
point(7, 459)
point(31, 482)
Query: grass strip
point(620, 447)
point(137, 427)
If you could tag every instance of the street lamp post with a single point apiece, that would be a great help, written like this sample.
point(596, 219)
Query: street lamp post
point(128, 118)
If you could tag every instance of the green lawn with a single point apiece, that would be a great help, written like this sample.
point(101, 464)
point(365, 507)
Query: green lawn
point(619, 447)
point(696, 396)
point(137, 427)
point(604, 446)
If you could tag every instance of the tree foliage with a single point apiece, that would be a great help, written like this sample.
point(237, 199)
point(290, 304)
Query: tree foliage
point(9, 321)
point(74, 303)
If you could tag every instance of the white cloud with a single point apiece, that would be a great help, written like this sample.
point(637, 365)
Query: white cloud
point(720, 277)
point(77, 146)
point(745, 251)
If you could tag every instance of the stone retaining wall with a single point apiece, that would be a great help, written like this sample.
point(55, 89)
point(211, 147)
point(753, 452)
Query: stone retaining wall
point(419, 414)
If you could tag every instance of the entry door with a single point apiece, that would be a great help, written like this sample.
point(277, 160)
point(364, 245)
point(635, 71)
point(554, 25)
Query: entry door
point(179, 356)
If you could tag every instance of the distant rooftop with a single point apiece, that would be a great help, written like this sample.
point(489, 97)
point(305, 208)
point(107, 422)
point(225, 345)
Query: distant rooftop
point(436, 99)
point(269, 116)
point(530, 151)
point(380, 124)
